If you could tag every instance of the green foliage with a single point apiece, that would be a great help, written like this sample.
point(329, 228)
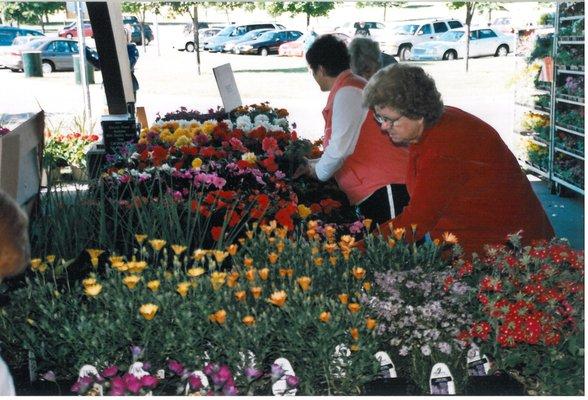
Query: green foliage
point(543, 47)
point(310, 8)
point(31, 12)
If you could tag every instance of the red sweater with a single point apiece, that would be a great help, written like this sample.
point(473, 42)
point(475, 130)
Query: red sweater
point(463, 179)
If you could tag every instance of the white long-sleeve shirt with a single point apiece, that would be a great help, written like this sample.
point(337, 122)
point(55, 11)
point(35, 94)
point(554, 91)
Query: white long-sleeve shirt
point(6, 384)
point(347, 118)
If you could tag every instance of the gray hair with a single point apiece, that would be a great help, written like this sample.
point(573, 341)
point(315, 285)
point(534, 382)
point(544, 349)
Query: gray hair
point(365, 57)
point(407, 89)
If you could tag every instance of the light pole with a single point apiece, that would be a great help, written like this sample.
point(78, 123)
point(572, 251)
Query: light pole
point(83, 76)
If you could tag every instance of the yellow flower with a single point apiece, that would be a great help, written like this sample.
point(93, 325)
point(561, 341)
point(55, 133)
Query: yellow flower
point(278, 298)
point(250, 274)
point(273, 257)
point(255, 292)
point(136, 266)
point(183, 288)
point(249, 157)
point(318, 261)
point(367, 286)
point(131, 281)
point(391, 242)
point(282, 232)
point(325, 316)
point(153, 285)
point(232, 249)
point(354, 347)
point(367, 223)
point(436, 242)
point(93, 290)
point(94, 253)
point(354, 333)
point(330, 247)
point(157, 244)
point(50, 258)
point(330, 232)
point(248, 320)
point(178, 249)
point(314, 251)
point(89, 282)
point(42, 268)
point(182, 141)
point(358, 273)
point(219, 317)
point(140, 238)
point(220, 255)
point(94, 261)
point(218, 279)
point(196, 163)
point(304, 211)
point(399, 233)
point(286, 272)
point(343, 298)
point(120, 266)
point(248, 262)
point(148, 311)
point(370, 323)
point(36, 263)
point(232, 279)
point(115, 259)
point(196, 272)
point(333, 260)
point(199, 254)
point(263, 273)
point(240, 295)
point(353, 307)
point(449, 238)
point(304, 283)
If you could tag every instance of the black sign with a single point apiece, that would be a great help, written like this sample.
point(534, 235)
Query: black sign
point(118, 132)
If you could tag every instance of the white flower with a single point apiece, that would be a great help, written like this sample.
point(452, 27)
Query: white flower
point(281, 122)
point(260, 119)
point(395, 342)
point(244, 123)
point(404, 351)
point(426, 350)
point(229, 123)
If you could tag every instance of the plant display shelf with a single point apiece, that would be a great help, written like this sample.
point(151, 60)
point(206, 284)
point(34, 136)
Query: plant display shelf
point(571, 40)
point(571, 18)
point(568, 152)
point(570, 69)
point(534, 108)
point(534, 168)
point(543, 87)
point(567, 98)
point(567, 184)
point(569, 129)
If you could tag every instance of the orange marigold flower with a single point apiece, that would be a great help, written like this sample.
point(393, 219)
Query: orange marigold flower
point(248, 262)
point(273, 257)
point(325, 316)
point(358, 273)
point(367, 223)
point(232, 279)
point(318, 261)
point(286, 272)
point(367, 286)
point(232, 249)
point(370, 323)
point(250, 274)
point(219, 317)
point(248, 320)
point(240, 295)
point(353, 307)
point(304, 283)
point(399, 233)
point(183, 288)
point(278, 298)
point(449, 238)
point(263, 273)
point(256, 292)
point(344, 298)
point(354, 333)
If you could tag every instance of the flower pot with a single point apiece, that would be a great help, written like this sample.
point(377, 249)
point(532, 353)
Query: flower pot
point(390, 387)
point(494, 385)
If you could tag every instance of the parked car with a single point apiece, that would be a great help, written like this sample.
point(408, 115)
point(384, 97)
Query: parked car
point(349, 28)
point(452, 45)
point(231, 45)
point(9, 33)
point(56, 54)
point(399, 40)
point(136, 33)
point(71, 30)
point(187, 41)
point(217, 42)
point(130, 20)
point(17, 43)
point(268, 42)
point(504, 25)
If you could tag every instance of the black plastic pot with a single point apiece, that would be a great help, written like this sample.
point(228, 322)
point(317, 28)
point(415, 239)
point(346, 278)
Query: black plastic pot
point(494, 385)
point(391, 387)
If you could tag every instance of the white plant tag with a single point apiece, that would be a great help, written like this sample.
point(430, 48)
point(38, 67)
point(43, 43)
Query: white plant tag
point(478, 365)
point(203, 380)
point(280, 387)
point(90, 370)
point(340, 358)
point(160, 374)
point(387, 369)
point(441, 381)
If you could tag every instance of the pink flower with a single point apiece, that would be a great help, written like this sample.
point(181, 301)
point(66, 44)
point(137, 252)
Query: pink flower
point(110, 371)
point(270, 146)
point(149, 381)
point(356, 227)
point(132, 383)
point(230, 390)
point(176, 367)
point(237, 145)
point(195, 382)
point(222, 375)
point(292, 381)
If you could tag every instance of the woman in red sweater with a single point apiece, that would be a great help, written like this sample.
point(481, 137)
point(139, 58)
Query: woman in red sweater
point(462, 178)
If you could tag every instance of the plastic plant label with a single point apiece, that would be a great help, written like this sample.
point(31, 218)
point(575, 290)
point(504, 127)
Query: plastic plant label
point(387, 369)
point(478, 365)
point(280, 387)
point(441, 381)
point(340, 360)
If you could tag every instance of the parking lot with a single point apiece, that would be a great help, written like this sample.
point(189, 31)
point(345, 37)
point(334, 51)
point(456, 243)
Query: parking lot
point(170, 80)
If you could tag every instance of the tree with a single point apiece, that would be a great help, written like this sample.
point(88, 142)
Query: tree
point(383, 4)
point(471, 7)
point(190, 8)
point(310, 8)
point(31, 12)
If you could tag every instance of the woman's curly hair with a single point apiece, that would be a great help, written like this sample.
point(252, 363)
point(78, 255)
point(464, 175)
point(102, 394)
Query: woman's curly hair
point(407, 89)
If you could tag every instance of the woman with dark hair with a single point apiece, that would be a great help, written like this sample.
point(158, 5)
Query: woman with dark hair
point(462, 178)
point(367, 167)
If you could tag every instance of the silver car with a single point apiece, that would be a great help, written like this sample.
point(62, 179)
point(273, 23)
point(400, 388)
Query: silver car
point(56, 54)
point(452, 45)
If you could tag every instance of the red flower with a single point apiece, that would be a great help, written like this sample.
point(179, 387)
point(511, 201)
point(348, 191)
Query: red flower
point(284, 216)
point(189, 150)
point(552, 339)
point(483, 298)
point(447, 283)
point(245, 164)
point(158, 155)
point(208, 152)
point(490, 284)
point(270, 164)
point(315, 208)
point(329, 205)
point(466, 269)
point(216, 232)
point(481, 330)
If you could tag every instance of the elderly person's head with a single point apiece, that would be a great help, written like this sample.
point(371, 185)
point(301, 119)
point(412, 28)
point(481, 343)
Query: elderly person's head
point(327, 58)
point(365, 57)
point(14, 238)
point(405, 101)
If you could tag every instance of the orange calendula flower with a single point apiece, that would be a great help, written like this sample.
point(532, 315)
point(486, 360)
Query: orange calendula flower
point(353, 307)
point(232, 279)
point(256, 292)
point(358, 273)
point(140, 238)
point(286, 272)
point(157, 244)
point(131, 281)
point(318, 261)
point(367, 286)
point(282, 232)
point(195, 272)
point(50, 258)
point(330, 232)
point(263, 274)
point(153, 285)
point(178, 249)
point(240, 295)
point(273, 257)
point(93, 290)
point(354, 333)
point(248, 320)
point(333, 260)
point(220, 255)
point(148, 311)
point(183, 288)
point(220, 317)
point(449, 238)
point(217, 279)
point(199, 254)
point(330, 247)
point(248, 262)
point(278, 298)
point(343, 298)
point(399, 233)
point(370, 323)
point(250, 274)
point(36, 263)
point(367, 223)
point(136, 266)
point(304, 282)
point(325, 316)
point(232, 250)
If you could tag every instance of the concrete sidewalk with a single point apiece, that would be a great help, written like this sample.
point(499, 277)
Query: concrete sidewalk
point(566, 213)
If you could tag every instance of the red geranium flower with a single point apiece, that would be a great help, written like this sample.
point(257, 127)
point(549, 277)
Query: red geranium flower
point(216, 232)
